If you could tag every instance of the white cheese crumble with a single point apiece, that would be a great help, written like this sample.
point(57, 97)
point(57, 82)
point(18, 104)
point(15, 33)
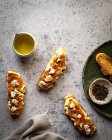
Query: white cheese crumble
point(72, 119)
point(72, 105)
point(59, 60)
point(9, 103)
point(21, 94)
point(86, 126)
point(88, 130)
point(13, 109)
point(52, 71)
point(60, 68)
point(67, 112)
point(75, 123)
point(48, 78)
point(14, 101)
point(14, 83)
point(81, 125)
point(14, 93)
point(22, 102)
point(79, 116)
point(55, 64)
point(42, 83)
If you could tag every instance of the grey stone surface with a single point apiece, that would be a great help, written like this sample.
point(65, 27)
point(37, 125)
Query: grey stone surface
point(77, 25)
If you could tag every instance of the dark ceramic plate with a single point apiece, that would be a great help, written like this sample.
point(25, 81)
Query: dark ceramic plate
point(92, 71)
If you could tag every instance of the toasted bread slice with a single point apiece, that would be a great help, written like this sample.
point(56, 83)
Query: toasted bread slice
point(54, 68)
point(105, 62)
point(78, 115)
point(16, 92)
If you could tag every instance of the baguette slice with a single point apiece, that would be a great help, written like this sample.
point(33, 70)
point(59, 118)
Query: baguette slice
point(105, 63)
point(16, 92)
point(78, 115)
point(54, 68)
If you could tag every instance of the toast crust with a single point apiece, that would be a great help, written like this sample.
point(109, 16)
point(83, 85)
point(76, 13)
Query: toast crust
point(54, 68)
point(16, 92)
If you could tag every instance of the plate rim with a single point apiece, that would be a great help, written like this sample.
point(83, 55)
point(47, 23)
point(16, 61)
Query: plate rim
point(84, 67)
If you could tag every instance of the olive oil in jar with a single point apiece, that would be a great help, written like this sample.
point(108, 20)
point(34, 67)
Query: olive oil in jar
point(23, 44)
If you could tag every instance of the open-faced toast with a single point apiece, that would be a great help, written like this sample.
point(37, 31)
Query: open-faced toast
point(16, 92)
point(54, 68)
point(78, 115)
point(105, 63)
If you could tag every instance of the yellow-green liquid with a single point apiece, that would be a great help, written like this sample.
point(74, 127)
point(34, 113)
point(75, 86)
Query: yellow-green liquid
point(23, 44)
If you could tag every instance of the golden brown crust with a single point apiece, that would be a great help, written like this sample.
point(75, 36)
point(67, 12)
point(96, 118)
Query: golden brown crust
point(105, 63)
point(78, 115)
point(16, 92)
point(54, 68)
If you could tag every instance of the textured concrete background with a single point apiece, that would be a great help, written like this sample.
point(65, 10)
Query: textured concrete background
point(77, 25)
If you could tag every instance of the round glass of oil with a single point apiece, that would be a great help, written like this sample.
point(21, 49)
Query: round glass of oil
point(24, 44)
